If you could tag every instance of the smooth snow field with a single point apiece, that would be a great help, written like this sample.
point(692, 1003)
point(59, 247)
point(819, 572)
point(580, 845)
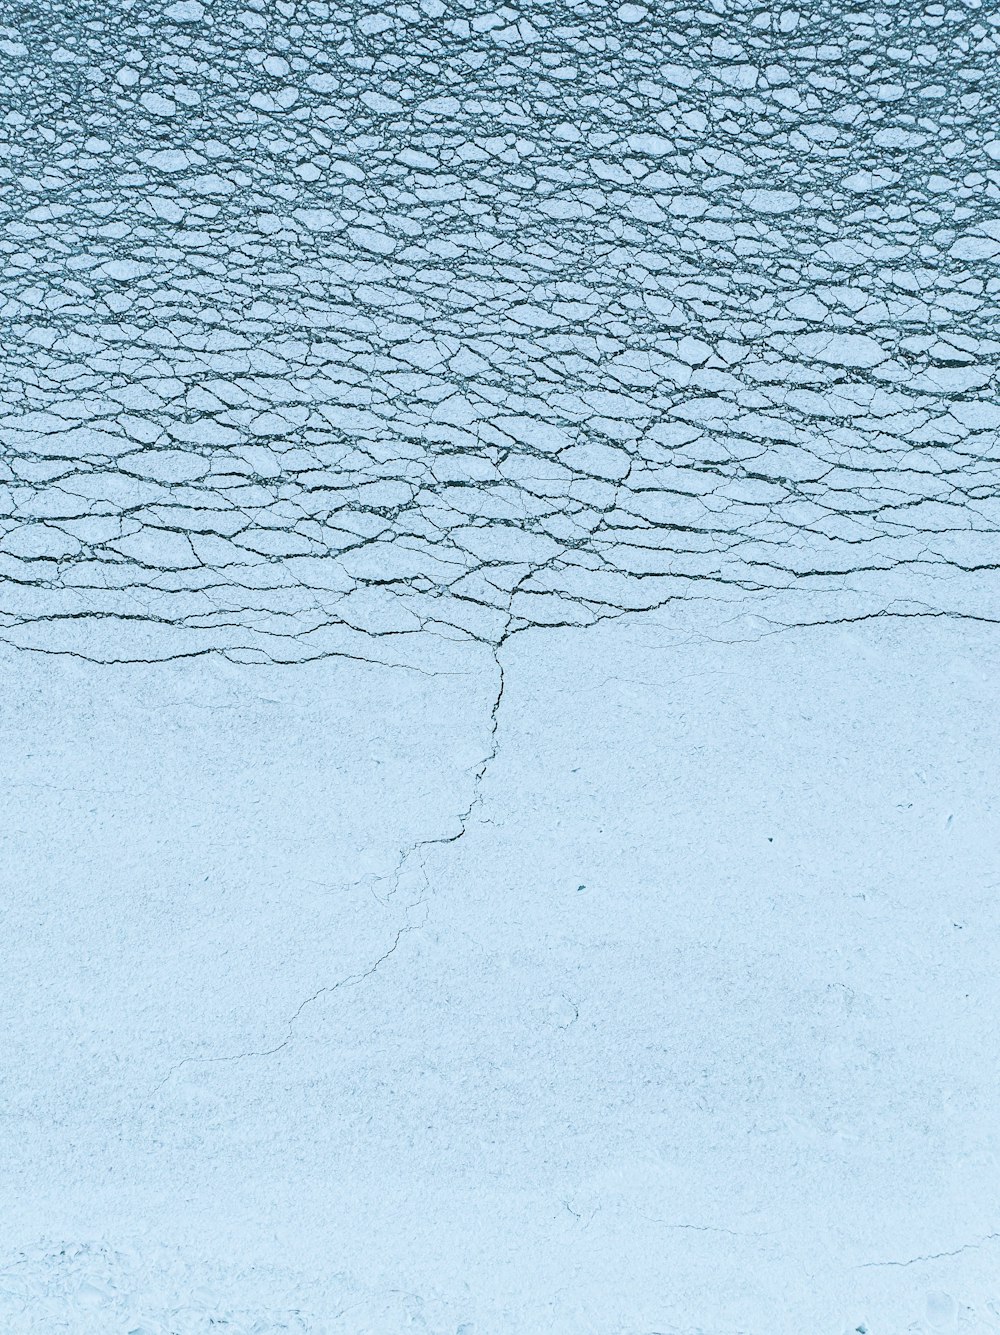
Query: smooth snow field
point(688, 1024)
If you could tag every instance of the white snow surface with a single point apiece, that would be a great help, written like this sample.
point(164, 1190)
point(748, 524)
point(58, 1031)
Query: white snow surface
point(667, 1006)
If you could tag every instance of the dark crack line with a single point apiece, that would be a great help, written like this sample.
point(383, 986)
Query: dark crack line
point(350, 980)
point(463, 817)
point(932, 1256)
point(412, 850)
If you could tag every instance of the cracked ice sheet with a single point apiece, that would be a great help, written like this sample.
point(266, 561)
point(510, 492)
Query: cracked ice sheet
point(692, 1030)
point(395, 335)
point(328, 326)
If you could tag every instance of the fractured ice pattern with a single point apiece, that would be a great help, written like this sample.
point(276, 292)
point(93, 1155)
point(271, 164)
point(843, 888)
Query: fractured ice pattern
point(333, 324)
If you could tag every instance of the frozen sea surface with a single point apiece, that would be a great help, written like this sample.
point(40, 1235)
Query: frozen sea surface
point(499, 533)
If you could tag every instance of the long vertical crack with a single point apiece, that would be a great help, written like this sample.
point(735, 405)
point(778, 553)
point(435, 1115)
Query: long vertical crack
point(411, 851)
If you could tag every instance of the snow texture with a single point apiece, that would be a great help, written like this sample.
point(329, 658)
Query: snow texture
point(499, 537)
